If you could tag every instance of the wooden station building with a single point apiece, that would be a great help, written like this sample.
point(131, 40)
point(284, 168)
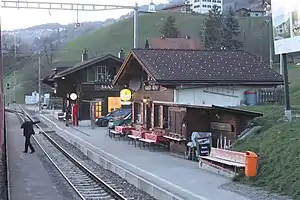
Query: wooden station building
point(154, 74)
point(91, 80)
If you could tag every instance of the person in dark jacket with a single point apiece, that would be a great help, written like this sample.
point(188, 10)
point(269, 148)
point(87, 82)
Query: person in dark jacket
point(28, 130)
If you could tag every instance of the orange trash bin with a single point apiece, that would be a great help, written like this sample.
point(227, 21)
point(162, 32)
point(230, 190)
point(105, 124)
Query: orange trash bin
point(251, 164)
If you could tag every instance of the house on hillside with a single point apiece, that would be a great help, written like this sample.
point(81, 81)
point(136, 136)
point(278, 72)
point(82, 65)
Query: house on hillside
point(204, 6)
point(198, 77)
point(175, 43)
point(91, 80)
point(185, 8)
point(251, 12)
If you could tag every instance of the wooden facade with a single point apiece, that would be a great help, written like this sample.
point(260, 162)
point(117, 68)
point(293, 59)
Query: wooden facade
point(154, 108)
point(92, 81)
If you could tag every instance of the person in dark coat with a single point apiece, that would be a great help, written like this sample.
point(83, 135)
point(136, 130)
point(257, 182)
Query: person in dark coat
point(28, 130)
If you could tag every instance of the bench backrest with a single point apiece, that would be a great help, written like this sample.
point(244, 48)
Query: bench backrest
point(233, 156)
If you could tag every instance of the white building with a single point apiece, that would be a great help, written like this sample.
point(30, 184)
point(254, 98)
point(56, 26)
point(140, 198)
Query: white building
point(214, 95)
point(151, 7)
point(204, 6)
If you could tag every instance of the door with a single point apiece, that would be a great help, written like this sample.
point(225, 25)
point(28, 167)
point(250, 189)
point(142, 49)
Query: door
point(113, 103)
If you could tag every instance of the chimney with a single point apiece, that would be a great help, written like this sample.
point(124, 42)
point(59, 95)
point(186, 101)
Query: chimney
point(84, 55)
point(121, 54)
point(147, 46)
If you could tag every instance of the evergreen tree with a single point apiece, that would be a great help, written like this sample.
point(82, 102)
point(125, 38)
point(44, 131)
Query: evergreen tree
point(169, 29)
point(212, 28)
point(230, 30)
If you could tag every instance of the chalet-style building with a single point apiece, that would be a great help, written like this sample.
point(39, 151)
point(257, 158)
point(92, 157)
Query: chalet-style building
point(91, 80)
point(251, 12)
point(180, 87)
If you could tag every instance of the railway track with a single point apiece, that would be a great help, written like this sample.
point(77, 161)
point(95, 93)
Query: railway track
point(85, 183)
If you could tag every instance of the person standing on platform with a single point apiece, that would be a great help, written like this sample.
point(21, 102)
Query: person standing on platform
point(28, 130)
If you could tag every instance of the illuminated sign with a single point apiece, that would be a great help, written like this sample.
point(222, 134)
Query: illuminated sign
point(125, 95)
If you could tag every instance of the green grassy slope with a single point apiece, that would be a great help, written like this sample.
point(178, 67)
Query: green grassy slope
point(120, 35)
point(279, 145)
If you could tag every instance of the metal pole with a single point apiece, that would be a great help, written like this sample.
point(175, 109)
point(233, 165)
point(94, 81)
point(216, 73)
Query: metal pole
point(281, 65)
point(135, 26)
point(39, 77)
point(270, 44)
point(287, 112)
point(14, 88)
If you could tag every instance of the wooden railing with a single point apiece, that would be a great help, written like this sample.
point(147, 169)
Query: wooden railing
point(270, 96)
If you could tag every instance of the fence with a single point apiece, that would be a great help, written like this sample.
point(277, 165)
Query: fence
point(270, 96)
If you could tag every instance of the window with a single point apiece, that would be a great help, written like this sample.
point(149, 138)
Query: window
point(137, 113)
point(91, 75)
point(204, 6)
point(165, 117)
point(157, 116)
point(102, 73)
point(209, 6)
point(196, 6)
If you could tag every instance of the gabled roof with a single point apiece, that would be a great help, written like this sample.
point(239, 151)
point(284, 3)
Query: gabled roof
point(194, 67)
point(87, 63)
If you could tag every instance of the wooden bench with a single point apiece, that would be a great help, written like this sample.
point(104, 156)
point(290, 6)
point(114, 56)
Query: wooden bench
point(113, 134)
point(133, 139)
point(147, 141)
point(224, 162)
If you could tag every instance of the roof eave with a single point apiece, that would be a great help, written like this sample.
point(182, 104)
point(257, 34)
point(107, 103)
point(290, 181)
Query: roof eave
point(189, 82)
point(87, 64)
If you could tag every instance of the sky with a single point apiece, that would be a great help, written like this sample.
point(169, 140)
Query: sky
point(23, 18)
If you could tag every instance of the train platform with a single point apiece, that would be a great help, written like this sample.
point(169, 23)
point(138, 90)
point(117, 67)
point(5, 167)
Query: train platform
point(28, 179)
point(174, 174)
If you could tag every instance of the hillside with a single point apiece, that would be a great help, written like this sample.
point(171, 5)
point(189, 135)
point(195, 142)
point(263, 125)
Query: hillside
point(110, 39)
point(277, 144)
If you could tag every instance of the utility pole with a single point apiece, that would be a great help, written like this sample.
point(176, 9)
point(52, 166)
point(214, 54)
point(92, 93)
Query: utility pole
point(135, 26)
point(39, 83)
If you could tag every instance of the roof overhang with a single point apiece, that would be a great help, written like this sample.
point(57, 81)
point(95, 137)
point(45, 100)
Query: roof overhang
point(85, 64)
point(211, 107)
point(196, 83)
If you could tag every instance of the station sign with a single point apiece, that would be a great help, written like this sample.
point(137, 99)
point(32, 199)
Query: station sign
point(125, 95)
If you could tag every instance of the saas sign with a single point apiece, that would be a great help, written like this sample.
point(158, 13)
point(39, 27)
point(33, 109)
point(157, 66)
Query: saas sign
point(125, 95)
point(286, 25)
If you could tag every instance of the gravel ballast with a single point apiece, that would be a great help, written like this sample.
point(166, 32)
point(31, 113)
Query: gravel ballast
point(102, 173)
point(59, 182)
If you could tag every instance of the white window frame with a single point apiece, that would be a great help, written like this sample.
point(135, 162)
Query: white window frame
point(105, 72)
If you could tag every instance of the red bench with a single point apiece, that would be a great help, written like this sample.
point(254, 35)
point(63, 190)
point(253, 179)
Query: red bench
point(152, 139)
point(224, 162)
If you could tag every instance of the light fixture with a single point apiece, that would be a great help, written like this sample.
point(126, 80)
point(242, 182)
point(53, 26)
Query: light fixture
point(73, 96)
point(63, 78)
point(146, 100)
